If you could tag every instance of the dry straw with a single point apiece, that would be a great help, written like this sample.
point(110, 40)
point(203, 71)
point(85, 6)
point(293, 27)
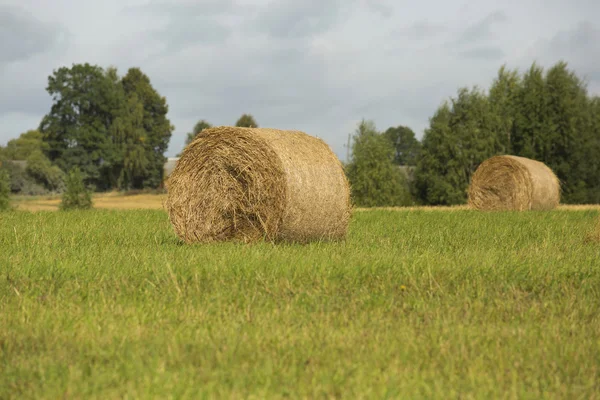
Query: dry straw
point(513, 183)
point(256, 183)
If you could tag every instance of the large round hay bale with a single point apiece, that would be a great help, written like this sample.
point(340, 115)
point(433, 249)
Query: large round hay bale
point(513, 183)
point(248, 184)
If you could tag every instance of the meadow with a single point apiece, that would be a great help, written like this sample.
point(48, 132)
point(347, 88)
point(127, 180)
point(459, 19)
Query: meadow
point(416, 303)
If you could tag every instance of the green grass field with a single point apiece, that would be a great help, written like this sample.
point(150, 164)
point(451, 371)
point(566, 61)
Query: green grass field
point(415, 304)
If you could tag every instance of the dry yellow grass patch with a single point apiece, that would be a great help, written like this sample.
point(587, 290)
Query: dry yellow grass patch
point(111, 201)
point(567, 207)
point(118, 201)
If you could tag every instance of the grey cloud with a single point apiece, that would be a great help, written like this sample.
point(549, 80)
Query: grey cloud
point(27, 100)
point(594, 76)
point(185, 31)
point(190, 23)
point(408, 106)
point(207, 8)
point(582, 38)
point(578, 46)
point(300, 64)
point(23, 36)
point(276, 77)
point(588, 7)
point(422, 30)
point(283, 86)
point(481, 30)
point(380, 7)
point(293, 18)
point(490, 53)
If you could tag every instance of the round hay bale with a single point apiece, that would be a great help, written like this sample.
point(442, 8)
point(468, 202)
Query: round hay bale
point(513, 183)
point(246, 184)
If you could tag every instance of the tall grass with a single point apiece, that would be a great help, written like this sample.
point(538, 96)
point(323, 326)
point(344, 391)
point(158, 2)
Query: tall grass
point(108, 304)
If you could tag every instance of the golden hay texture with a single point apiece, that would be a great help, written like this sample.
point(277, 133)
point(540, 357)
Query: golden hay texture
point(247, 184)
point(513, 183)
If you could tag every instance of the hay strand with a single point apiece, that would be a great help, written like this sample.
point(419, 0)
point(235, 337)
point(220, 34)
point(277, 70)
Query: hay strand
point(513, 183)
point(247, 184)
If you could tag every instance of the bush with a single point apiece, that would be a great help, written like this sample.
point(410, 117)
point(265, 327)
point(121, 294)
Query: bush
point(20, 181)
point(76, 195)
point(4, 191)
point(17, 175)
point(44, 173)
point(30, 188)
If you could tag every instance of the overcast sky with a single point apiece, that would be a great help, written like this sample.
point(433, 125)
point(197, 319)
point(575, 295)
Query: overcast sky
point(316, 66)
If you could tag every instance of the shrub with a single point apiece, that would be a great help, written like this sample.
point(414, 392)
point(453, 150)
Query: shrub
point(20, 181)
point(4, 191)
point(44, 173)
point(76, 195)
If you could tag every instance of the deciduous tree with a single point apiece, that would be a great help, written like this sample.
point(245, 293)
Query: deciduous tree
point(114, 129)
point(22, 147)
point(199, 127)
point(154, 123)
point(405, 144)
point(374, 178)
point(77, 128)
point(503, 98)
point(462, 134)
point(247, 121)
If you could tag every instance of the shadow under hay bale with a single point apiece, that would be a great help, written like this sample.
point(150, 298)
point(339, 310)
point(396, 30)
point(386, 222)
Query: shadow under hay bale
point(249, 184)
point(513, 183)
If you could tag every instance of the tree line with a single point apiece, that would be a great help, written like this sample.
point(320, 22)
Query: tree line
point(546, 115)
point(115, 129)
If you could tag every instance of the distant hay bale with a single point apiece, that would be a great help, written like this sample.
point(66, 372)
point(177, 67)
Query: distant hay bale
point(513, 183)
point(247, 184)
